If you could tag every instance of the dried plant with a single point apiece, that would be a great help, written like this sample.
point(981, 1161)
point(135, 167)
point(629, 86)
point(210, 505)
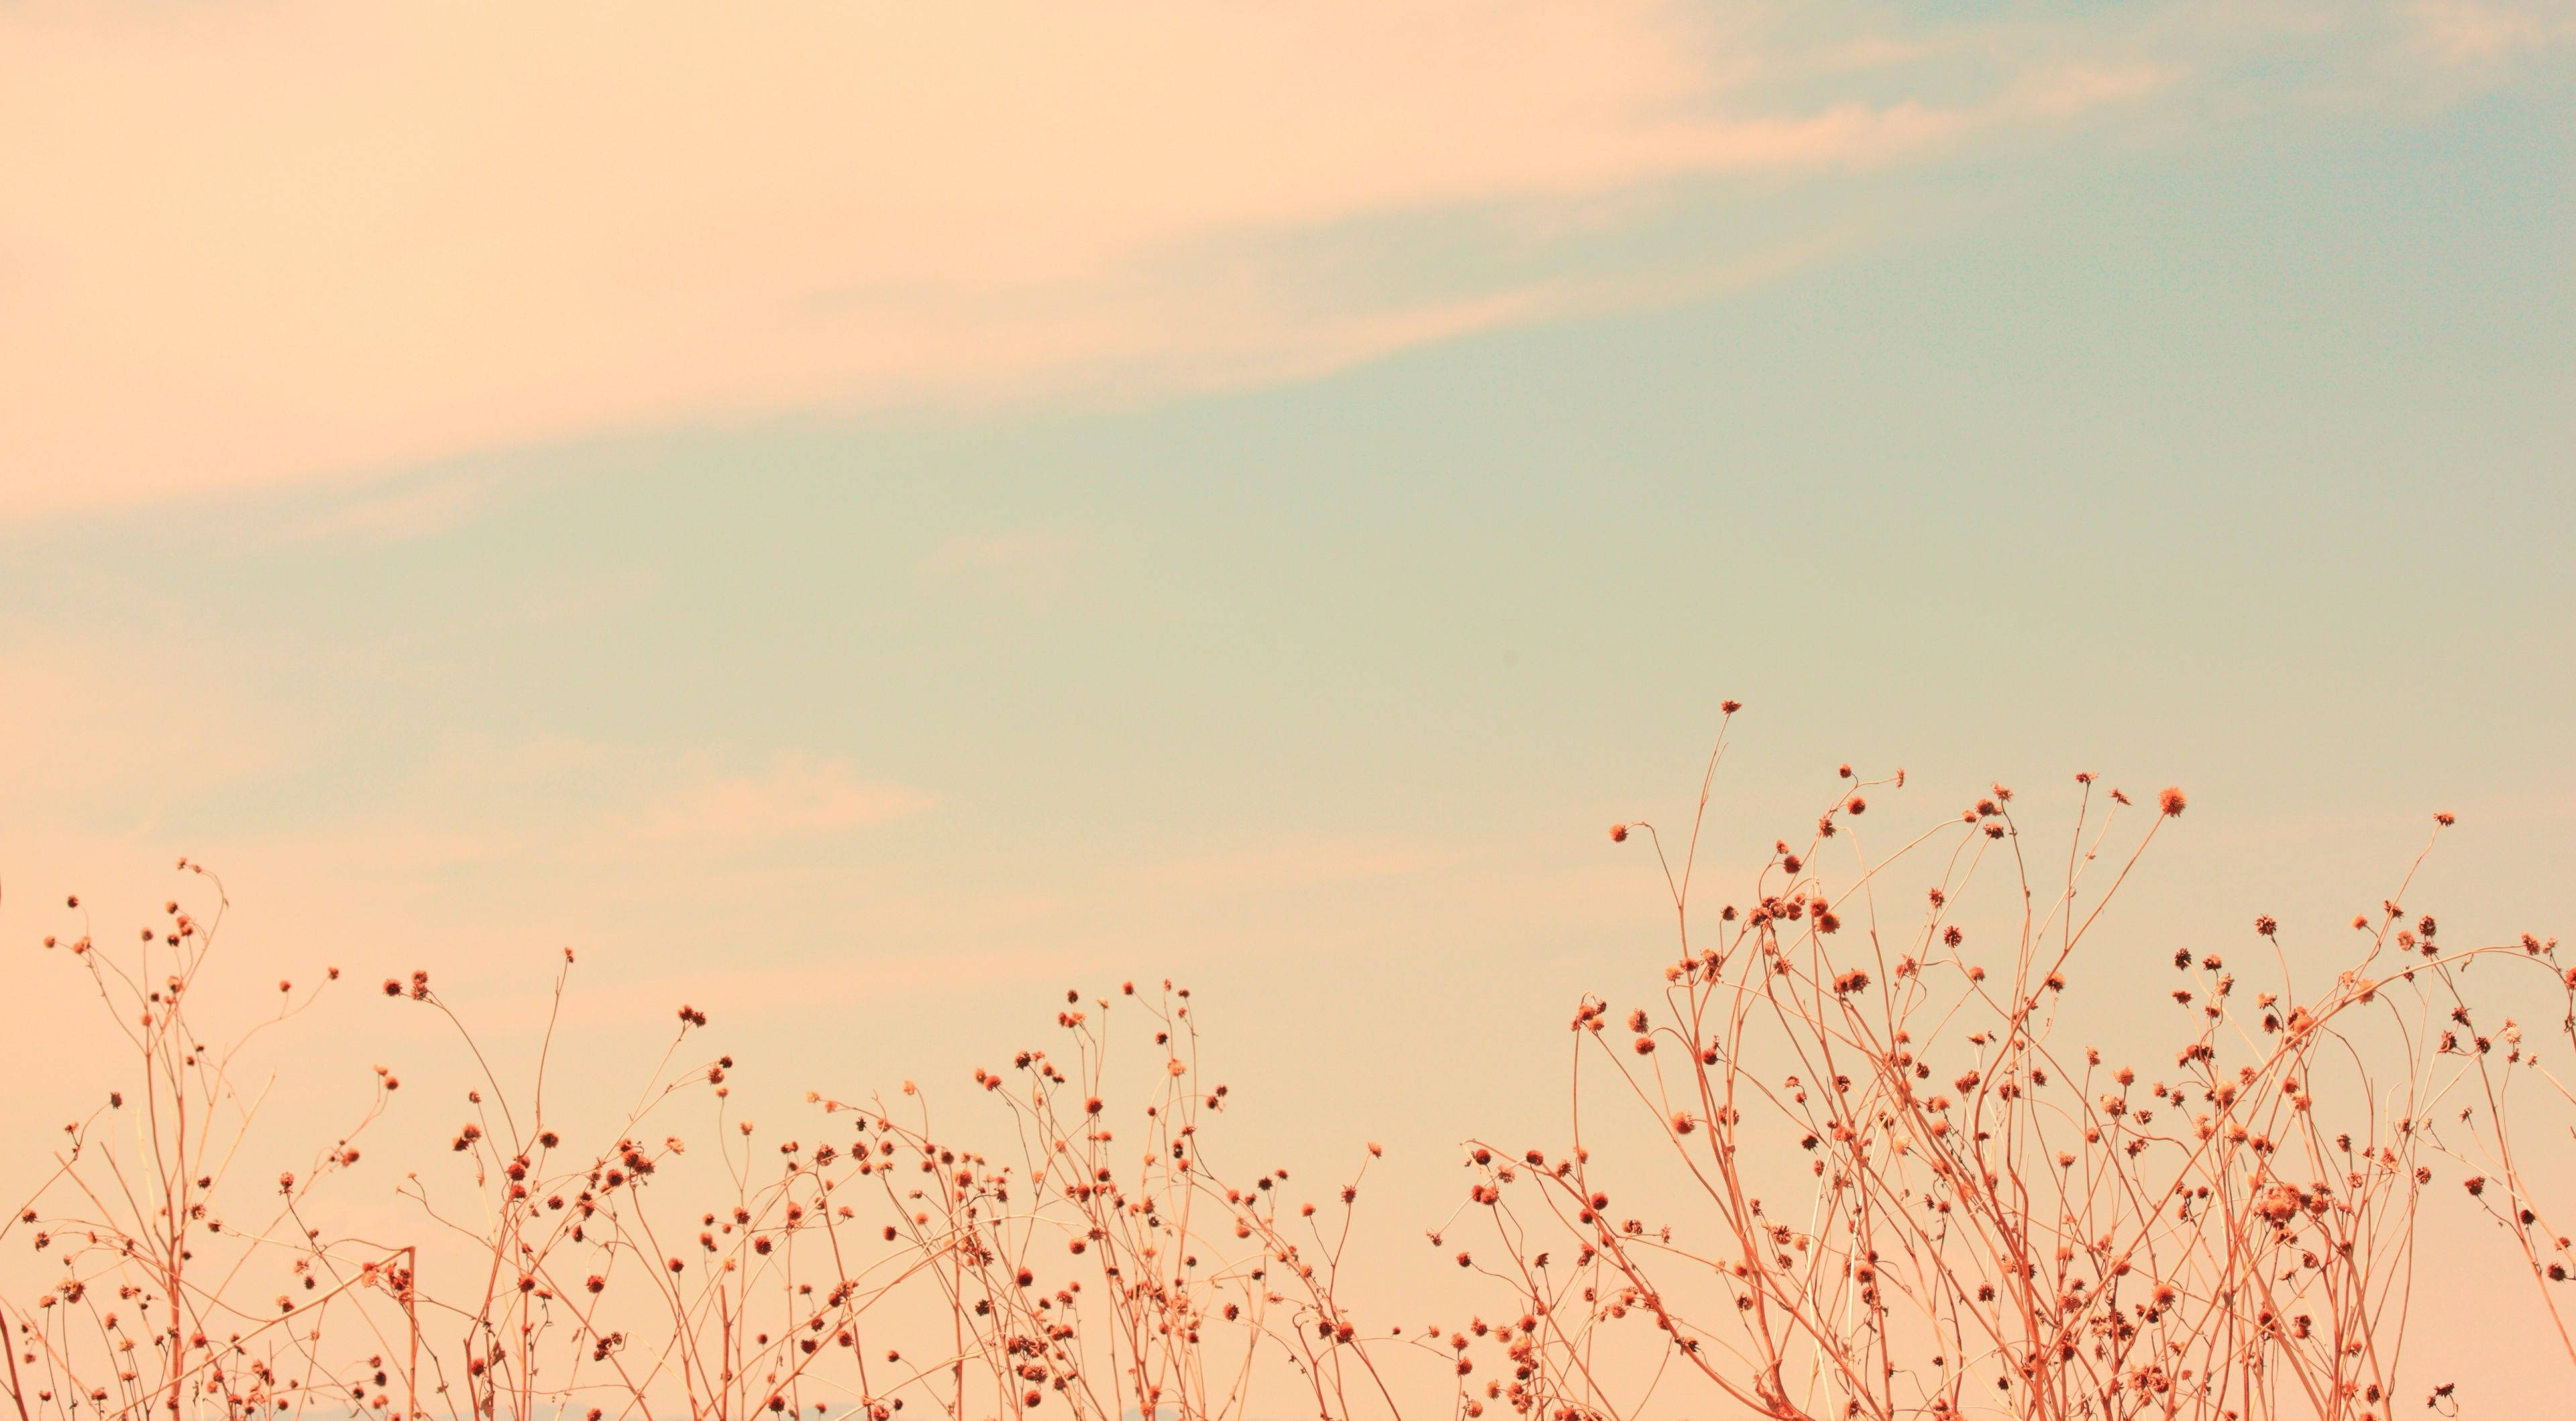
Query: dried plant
point(1073, 1272)
point(1984, 1220)
point(1875, 1185)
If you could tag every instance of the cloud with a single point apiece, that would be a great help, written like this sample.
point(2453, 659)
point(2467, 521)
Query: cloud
point(248, 243)
point(111, 728)
point(1294, 866)
point(567, 800)
point(1031, 565)
point(797, 795)
point(387, 515)
point(570, 600)
point(2474, 32)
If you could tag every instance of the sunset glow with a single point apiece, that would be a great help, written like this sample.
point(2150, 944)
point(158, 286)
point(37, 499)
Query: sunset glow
point(989, 646)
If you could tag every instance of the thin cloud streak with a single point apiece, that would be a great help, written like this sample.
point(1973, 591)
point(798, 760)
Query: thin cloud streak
point(2473, 32)
point(795, 796)
point(1034, 566)
point(311, 239)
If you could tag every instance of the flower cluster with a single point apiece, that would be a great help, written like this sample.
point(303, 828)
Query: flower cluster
point(1880, 1185)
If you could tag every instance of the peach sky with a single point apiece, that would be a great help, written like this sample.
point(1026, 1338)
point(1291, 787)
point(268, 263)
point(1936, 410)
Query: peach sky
point(322, 240)
point(862, 516)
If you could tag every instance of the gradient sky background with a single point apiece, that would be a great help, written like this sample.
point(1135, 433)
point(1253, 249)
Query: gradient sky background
point(863, 516)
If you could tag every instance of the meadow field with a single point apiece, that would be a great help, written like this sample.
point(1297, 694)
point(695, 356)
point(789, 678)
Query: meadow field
point(1876, 1177)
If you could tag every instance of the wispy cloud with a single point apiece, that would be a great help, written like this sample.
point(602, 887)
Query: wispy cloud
point(310, 238)
point(387, 515)
point(565, 799)
point(104, 728)
point(1294, 866)
point(576, 599)
point(2479, 32)
point(795, 795)
point(1030, 565)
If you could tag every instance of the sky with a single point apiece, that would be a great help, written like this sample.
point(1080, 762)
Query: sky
point(863, 517)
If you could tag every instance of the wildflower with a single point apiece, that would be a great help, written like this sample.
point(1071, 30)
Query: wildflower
point(1618, 833)
point(2171, 801)
point(2266, 926)
point(2281, 1203)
